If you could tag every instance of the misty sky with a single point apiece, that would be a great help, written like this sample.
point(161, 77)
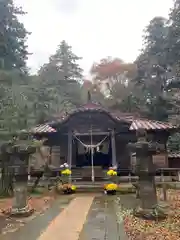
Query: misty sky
point(94, 28)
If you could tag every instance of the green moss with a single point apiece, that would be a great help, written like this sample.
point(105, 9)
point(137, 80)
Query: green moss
point(126, 190)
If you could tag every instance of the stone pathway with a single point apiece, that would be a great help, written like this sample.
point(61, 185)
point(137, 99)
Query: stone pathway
point(68, 224)
point(33, 229)
point(85, 217)
point(101, 223)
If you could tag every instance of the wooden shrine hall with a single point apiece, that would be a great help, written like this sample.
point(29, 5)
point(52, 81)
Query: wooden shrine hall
point(93, 137)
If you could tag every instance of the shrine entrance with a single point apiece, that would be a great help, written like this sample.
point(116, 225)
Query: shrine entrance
point(102, 153)
point(99, 158)
point(91, 142)
point(93, 150)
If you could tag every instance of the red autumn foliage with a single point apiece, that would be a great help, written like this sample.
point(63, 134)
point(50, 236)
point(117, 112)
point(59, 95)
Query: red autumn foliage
point(109, 68)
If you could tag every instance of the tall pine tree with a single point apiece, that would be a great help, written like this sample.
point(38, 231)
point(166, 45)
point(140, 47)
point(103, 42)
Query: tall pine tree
point(67, 63)
point(59, 83)
point(13, 36)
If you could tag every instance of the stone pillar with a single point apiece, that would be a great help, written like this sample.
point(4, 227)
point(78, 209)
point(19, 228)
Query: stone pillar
point(145, 169)
point(113, 146)
point(69, 160)
point(179, 176)
point(20, 197)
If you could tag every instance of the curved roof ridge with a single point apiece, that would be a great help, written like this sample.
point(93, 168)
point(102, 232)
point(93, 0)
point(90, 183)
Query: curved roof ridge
point(135, 121)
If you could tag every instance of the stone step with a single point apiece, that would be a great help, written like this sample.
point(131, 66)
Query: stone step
point(89, 179)
point(86, 183)
point(86, 172)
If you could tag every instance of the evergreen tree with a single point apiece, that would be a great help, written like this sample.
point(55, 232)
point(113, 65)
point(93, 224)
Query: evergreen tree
point(153, 69)
point(13, 35)
point(59, 83)
point(174, 37)
point(156, 39)
point(67, 63)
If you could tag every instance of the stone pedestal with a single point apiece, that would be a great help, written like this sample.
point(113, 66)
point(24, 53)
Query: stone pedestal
point(20, 197)
point(20, 205)
point(147, 191)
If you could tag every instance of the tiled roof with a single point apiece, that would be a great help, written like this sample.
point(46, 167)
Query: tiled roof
point(43, 128)
point(174, 155)
point(136, 123)
point(150, 125)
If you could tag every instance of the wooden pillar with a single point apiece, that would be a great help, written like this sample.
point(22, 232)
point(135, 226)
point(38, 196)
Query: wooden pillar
point(69, 160)
point(76, 160)
point(113, 146)
point(166, 156)
point(179, 176)
point(50, 155)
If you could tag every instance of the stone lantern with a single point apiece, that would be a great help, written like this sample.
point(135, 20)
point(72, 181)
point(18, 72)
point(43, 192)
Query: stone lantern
point(18, 151)
point(145, 170)
point(20, 155)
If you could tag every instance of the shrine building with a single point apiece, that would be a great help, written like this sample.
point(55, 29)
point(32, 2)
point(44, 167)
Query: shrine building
point(93, 137)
